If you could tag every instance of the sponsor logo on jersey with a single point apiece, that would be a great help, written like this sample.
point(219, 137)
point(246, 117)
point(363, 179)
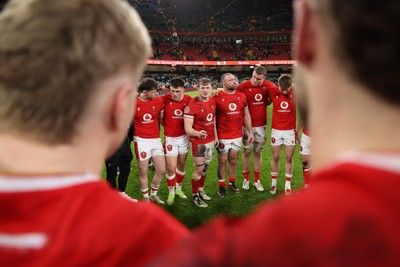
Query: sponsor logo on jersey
point(154, 108)
point(284, 105)
point(258, 97)
point(143, 154)
point(147, 117)
point(209, 117)
point(232, 106)
point(178, 112)
point(138, 109)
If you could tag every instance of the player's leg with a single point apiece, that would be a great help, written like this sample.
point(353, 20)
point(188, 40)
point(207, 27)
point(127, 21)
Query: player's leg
point(289, 151)
point(247, 148)
point(260, 136)
point(208, 156)
point(276, 146)
point(142, 156)
point(232, 169)
point(199, 164)
point(306, 169)
point(143, 166)
point(180, 175)
point(290, 145)
point(159, 171)
point(171, 162)
point(198, 153)
point(276, 154)
point(221, 171)
point(305, 151)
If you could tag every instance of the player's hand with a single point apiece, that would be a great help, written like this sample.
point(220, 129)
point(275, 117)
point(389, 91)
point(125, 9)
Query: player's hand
point(250, 138)
point(297, 137)
point(202, 134)
point(216, 142)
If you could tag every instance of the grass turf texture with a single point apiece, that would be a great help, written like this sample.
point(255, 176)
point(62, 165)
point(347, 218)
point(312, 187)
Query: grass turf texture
point(234, 204)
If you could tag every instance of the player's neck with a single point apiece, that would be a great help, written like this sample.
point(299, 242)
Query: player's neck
point(144, 98)
point(22, 156)
point(203, 99)
point(358, 122)
point(229, 92)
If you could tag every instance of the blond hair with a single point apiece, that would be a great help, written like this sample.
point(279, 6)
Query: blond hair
point(53, 54)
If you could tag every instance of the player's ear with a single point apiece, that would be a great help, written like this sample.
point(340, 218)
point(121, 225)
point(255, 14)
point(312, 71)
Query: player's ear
point(304, 37)
point(121, 108)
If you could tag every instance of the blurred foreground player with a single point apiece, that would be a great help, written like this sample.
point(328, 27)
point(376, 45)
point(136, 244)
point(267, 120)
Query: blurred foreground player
point(68, 77)
point(346, 80)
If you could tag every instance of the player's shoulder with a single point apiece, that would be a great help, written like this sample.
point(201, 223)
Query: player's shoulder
point(187, 98)
point(269, 84)
point(166, 97)
point(240, 94)
point(158, 100)
point(244, 85)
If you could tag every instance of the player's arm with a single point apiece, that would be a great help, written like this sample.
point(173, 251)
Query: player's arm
point(216, 140)
point(161, 117)
point(247, 124)
point(188, 122)
point(300, 127)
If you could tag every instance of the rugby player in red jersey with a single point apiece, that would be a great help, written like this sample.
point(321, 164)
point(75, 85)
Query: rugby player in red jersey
point(232, 113)
point(199, 122)
point(256, 90)
point(283, 132)
point(176, 141)
point(149, 112)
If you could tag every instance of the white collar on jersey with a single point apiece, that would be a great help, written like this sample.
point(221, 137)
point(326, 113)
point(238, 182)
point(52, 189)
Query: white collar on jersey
point(384, 161)
point(17, 184)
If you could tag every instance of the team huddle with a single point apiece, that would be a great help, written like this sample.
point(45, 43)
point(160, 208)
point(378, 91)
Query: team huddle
point(228, 120)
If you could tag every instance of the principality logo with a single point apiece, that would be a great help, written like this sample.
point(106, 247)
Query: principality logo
point(221, 145)
point(273, 140)
point(169, 147)
point(143, 155)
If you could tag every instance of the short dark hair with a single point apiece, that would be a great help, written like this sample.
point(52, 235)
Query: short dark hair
point(285, 81)
point(177, 82)
point(367, 42)
point(260, 70)
point(147, 84)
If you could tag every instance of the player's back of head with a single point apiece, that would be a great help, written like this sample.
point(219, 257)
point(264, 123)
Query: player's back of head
point(364, 37)
point(53, 54)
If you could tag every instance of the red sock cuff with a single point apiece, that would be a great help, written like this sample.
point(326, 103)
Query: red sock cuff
point(257, 176)
point(171, 183)
point(232, 179)
point(222, 183)
point(246, 175)
point(179, 178)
